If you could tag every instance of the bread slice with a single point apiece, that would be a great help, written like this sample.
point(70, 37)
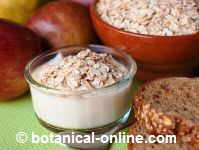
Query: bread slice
point(170, 106)
point(139, 130)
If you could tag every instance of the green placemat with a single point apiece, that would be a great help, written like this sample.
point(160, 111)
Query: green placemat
point(18, 116)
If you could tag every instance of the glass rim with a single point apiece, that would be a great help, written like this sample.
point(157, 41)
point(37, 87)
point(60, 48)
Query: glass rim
point(27, 73)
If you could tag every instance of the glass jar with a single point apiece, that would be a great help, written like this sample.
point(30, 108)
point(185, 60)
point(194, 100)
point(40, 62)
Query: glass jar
point(88, 110)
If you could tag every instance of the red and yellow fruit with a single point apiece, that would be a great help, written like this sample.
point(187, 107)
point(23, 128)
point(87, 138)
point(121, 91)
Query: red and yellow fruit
point(18, 45)
point(62, 23)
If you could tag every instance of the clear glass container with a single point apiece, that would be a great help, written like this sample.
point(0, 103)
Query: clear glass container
point(88, 110)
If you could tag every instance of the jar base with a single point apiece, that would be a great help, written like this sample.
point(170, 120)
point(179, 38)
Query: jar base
point(101, 129)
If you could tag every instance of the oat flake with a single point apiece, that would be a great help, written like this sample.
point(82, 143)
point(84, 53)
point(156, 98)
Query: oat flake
point(84, 71)
point(152, 17)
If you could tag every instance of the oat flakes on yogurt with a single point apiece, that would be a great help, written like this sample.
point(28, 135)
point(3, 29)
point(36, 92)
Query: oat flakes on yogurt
point(151, 17)
point(84, 71)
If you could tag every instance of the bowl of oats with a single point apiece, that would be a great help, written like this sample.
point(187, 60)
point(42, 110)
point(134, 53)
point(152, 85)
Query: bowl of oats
point(153, 32)
point(81, 87)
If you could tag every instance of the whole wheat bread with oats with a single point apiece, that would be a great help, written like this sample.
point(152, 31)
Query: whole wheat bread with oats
point(170, 106)
point(137, 129)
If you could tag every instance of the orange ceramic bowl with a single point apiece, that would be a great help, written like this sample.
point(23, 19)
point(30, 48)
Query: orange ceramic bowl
point(147, 48)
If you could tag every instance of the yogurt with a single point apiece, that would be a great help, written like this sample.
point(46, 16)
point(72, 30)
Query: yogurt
point(83, 105)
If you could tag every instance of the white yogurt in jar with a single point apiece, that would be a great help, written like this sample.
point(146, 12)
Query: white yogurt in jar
point(75, 109)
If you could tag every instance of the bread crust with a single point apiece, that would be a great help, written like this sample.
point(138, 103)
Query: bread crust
point(161, 123)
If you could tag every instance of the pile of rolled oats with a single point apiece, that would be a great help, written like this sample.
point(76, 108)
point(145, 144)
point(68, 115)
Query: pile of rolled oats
point(151, 17)
point(84, 71)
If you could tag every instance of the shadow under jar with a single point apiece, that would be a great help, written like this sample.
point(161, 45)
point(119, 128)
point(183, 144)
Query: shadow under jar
point(86, 110)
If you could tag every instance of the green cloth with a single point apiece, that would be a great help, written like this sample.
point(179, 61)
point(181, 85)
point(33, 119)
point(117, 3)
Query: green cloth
point(18, 116)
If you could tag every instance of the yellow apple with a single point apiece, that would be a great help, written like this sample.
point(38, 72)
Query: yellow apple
point(18, 10)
